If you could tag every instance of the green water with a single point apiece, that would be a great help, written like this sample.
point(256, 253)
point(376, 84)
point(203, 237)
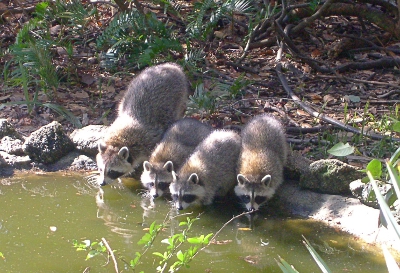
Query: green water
point(41, 215)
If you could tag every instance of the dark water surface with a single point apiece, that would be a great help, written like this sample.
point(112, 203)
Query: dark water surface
point(41, 215)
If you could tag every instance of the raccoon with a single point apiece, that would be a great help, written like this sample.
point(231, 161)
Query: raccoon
point(175, 147)
point(154, 100)
point(209, 172)
point(261, 161)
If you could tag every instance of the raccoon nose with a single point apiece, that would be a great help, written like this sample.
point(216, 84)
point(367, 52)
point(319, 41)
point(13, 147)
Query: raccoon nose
point(103, 183)
point(155, 195)
point(180, 207)
point(251, 209)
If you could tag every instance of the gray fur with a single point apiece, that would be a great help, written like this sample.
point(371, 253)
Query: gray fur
point(154, 100)
point(178, 143)
point(209, 172)
point(263, 155)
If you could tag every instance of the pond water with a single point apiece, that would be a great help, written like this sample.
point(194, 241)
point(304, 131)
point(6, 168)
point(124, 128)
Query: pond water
point(41, 216)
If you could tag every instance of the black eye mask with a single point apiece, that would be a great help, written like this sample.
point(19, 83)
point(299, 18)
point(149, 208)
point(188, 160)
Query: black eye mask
point(114, 174)
point(163, 185)
point(189, 198)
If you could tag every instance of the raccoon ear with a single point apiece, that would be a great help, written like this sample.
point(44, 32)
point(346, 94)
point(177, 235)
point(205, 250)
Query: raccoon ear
point(102, 146)
point(241, 179)
point(169, 166)
point(266, 179)
point(194, 178)
point(147, 166)
point(124, 153)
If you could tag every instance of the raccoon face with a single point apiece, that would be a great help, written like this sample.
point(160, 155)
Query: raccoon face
point(156, 180)
point(187, 192)
point(254, 194)
point(112, 163)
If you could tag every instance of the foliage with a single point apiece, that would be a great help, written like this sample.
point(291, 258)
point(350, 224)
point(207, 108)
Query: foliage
point(341, 149)
point(93, 248)
point(173, 257)
point(143, 38)
point(200, 27)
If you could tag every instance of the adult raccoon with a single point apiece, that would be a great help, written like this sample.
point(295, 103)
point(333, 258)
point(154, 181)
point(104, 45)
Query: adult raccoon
point(155, 99)
point(261, 161)
point(177, 144)
point(209, 172)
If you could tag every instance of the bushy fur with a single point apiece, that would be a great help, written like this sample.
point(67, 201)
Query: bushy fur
point(260, 165)
point(209, 172)
point(155, 99)
point(178, 143)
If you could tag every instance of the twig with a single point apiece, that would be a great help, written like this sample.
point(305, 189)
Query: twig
point(111, 253)
point(322, 116)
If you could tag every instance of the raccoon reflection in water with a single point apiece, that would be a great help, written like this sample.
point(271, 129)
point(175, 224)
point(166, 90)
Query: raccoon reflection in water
point(177, 144)
point(260, 166)
point(209, 172)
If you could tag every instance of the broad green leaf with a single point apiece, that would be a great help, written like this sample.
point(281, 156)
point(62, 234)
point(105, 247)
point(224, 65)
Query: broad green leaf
point(194, 240)
point(375, 168)
point(353, 98)
point(145, 239)
point(341, 149)
point(396, 127)
point(91, 254)
point(180, 256)
point(160, 254)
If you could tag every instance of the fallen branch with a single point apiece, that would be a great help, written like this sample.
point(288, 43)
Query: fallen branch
point(322, 116)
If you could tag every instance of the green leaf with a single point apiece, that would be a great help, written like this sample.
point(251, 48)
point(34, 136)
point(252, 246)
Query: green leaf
point(341, 149)
point(160, 254)
point(375, 168)
point(2, 256)
point(180, 256)
point(195, 240)
point(145, 239)
point(396, 127)
point(91, 254)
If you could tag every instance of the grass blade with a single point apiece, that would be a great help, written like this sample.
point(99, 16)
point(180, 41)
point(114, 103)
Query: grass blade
point(394, 178)
point(384, 207)
point(390, 261)
point(320, 262)
point(285, 266)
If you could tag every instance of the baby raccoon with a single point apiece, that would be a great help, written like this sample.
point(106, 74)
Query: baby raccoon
point(261, 161)
point(176, 146)
point(155, 99)
point(209, 172)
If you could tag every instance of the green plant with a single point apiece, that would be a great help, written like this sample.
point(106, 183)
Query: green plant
point(93, 248)
point(142, 38)
point(179, 252)
point(200, 24)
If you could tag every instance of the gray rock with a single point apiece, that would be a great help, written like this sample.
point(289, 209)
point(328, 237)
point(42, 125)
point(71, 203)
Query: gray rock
point(364, 192)
point(83, 162)
point(86, 139)
point(18, 162)
point(6, 129)
point(11, 145)
point(48, 144)
point(329, 176)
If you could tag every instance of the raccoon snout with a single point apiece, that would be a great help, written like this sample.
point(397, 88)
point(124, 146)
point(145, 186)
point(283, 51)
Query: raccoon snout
point(155, 195)
point(103, 183)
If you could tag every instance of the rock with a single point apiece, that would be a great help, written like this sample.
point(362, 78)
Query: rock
point(83, 162)
point(330, 176)
point(18, 162)
point(86, 139)
point(48, 144)
point(11, 145)
point(6, 129)
point(364, 192)
point(345, 213)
